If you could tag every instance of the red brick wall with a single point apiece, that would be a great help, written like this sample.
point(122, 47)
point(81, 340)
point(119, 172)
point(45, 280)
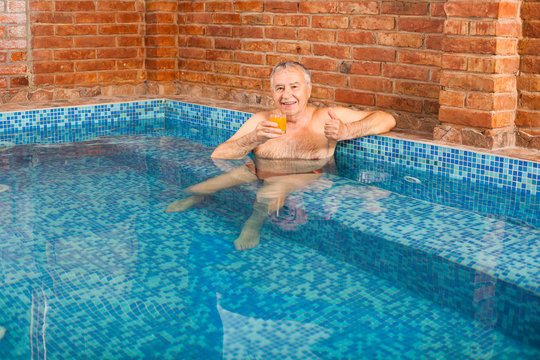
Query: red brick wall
point(528, 114)
point(377, 54)
point(13, 47)
point(86, 42)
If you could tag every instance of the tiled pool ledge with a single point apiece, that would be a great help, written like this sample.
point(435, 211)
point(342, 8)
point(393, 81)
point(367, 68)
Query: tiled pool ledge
point(76, 123)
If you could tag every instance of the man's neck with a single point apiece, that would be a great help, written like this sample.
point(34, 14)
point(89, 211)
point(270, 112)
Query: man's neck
point(301, 118)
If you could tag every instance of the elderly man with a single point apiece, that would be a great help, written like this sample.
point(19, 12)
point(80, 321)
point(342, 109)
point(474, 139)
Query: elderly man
point(285, 161)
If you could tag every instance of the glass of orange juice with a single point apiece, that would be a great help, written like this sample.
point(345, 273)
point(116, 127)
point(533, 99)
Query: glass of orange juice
point(280, 119)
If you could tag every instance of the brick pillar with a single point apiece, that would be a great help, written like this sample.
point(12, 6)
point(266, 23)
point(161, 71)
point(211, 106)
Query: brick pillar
point(13, 50)
point(479, 68)
point(161, 45)
point(528, 115)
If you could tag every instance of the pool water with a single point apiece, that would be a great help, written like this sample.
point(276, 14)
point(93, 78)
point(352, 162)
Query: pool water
point(92, 267)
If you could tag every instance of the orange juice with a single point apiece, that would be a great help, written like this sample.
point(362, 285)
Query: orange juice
point(280, 120)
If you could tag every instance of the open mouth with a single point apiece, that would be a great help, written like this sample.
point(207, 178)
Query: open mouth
point(286, 103)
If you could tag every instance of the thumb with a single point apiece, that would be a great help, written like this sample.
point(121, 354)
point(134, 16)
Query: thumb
point(332, 114)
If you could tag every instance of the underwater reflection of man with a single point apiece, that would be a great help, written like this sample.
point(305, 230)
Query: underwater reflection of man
point(285, 161)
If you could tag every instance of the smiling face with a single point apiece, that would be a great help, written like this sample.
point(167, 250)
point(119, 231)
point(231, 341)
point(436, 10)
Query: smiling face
point(290, 91)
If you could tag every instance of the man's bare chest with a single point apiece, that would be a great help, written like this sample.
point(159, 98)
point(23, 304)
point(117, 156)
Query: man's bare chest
point(307, 145)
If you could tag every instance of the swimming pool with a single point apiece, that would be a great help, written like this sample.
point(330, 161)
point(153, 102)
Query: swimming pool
point(92, 266)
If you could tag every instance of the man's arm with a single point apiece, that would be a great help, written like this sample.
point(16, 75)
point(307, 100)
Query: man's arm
point(254, 132)
point(344, 124)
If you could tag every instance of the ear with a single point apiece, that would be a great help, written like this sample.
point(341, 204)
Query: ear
point(309, 86)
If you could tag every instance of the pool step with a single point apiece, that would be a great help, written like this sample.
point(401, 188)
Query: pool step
point(485, 268)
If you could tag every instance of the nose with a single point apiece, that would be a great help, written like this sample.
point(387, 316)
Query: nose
point(287, 91)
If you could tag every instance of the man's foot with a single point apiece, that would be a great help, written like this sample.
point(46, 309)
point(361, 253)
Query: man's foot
point(248, 239)
point(184, 204)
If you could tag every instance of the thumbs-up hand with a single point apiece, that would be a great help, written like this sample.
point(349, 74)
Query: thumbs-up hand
point(334, 128)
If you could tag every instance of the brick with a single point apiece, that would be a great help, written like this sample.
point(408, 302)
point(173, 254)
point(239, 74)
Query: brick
point(45, 79)
point(111, 5)
point(490, 101)
point(404, 8)
point(79, 5)
point(530, 10)
point(219, 55)
point(356, 37)
point(291, 20)
point(418, 57)
point(280, 33)
point(454, 61)
point(51, 42)
point(478, 82)
point(95, 65)
point(335, 51)
point(399, 103)
point(437, 10)
point(75, 78)
point(16, 56)
point(425, 90)
point(200, 42)
point(16, 31)
point(227, 68)
point(318, 7)
point(330, 22)
point(529, 101)
point(262, 72)
point(94, 18)
point(185, 7)
point(369, 83)
point(265, 46)
point(456, 27)
point(226, 43)
point(16, 6)
point(49, 18)
point(316, 63)
point(434, 42)
point(220, 18)
point(249, 6)
point(249, 58)
point(275, 59)
point(118, 29)
point(165, 64)
point(319, 92)
point(66, 30)
point(420, 25)
point(118, 76)
point(216, 79)
point(359, 7)
point(529, 46)
point(53, 67)
point(478, 118)
point(530, 64)
point(470, 45)
point(248, 32)
point(219, 6)
point(130, 41)
point(12, 18)
point(159, 41)
point(293, 48)
point(400, 39)
point(199, 18)
point(160, 18)
point(76, 54)
point(373, 23)
point(12, 69)
point(161, 52)
point(191, 76)
point(531, 29)
point(257, 19)
point(41, 30)
point(325, 78)
point(12, 44)
point(529, 83)
point(492, 65)
point(115, 53)
point(94, 41)
point(163, 75)
point(365, 68)
point(317, 35)
point(215, 30)
point(405, 72)
point(161, 29)
point(528, 118)
point(130, 64)
point(354, 97)
point(281, 6)
point(452, 98)
point(246, 83)
point(18, 82)
point(374, 54)
point(480, 9)
point(40, 55)
point(40, 5)
point(508, 10)
point(132, 18)
point(191, 29)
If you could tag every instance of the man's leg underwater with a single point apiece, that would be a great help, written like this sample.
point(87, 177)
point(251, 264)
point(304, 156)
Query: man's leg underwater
point(270, 197)
point(237, 176)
